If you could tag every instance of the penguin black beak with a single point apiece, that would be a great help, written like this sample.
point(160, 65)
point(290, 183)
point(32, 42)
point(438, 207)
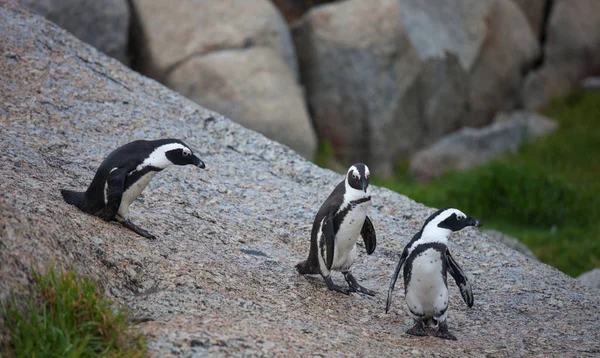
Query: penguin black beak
point(364, 184)
point(474, 222)
point(197, 162)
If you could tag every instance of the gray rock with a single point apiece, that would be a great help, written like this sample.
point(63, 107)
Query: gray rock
point(571, 52)
point(194, 288)
point(591, 278)
point(103, 24)
point(175, 31)
point(510, 49)
point(510, 242)
point(591, 83)
point(381, 86)
point(255, 88)
point(534, 12)
point(469, 146)
point(232, 56)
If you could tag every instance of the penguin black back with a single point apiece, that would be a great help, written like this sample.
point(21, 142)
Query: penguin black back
point(125, 173)
point(333, 202)
point(341, 219)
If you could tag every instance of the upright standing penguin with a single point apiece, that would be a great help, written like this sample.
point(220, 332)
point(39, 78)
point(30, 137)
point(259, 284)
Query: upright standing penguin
point(337, 225)
point(426, 260)
point(124, 174)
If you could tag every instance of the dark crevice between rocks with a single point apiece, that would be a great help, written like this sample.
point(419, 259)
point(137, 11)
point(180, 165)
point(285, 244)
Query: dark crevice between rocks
point(139, 58)
point(539, 62)
point(293, 10)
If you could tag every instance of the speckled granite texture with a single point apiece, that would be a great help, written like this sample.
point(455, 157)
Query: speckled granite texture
point(219, 279)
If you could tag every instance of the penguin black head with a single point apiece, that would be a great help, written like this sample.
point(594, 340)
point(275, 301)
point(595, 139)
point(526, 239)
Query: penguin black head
point(180, 154)
point(453, 219)
point(358, 177)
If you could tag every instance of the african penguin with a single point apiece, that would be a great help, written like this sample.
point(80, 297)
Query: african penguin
point(337, 225)
point(124, 174)
point(426, 260)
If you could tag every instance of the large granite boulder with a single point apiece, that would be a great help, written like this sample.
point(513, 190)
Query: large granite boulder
point(468, 146)
point(571, 52)
point(508, 52)
point(103, 24)
point(534, 11)
point(386, 77)
point(233, 56)
point(256, 88)
point(220, 278)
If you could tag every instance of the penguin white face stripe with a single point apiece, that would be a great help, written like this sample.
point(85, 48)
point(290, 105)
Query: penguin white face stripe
point(433, 233)
point(351, 193)
point(158, 157)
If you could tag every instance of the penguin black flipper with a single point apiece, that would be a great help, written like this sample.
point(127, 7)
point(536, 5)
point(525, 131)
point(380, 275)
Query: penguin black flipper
point(329, 234)
point(368, 234)
point(461, 280)
point(116, 186)
point(394, 279)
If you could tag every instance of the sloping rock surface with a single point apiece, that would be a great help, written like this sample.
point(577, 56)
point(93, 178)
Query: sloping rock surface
point(219, 279)
point(510, 242)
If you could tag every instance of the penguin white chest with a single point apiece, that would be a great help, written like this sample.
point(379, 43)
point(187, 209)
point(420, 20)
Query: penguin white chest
point(133, 192)
point(347, 235)
point(427, 293)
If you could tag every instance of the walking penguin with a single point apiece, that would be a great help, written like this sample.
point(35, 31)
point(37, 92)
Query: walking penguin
point(426, 259)
point(124, 174)
point(337, 225)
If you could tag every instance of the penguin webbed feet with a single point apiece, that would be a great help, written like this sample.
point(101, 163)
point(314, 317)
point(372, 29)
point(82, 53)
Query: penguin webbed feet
point(355, 286)
point(138, 230)
point(417, 329)
point(442, 332)
point(333, 287)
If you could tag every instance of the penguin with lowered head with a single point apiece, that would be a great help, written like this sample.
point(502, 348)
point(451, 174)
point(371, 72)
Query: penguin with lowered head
point(124, 174)
point(337, 225)
point(427, 260)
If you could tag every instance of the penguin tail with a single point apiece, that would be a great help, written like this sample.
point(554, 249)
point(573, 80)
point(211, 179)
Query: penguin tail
point(304, 268)
point(74, 198)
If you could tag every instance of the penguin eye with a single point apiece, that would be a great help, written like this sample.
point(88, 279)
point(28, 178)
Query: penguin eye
point(186, 152)
point(459, 217)
point(367, 175)
point(355, 176)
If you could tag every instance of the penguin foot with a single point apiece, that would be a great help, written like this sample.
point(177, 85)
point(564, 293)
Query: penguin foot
point(332, 286)
point(442, 332)
point(138, 230)
point(417, 329)
point(355, 286)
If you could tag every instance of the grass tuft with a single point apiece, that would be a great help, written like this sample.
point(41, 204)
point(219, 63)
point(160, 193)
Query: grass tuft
point(68, 317)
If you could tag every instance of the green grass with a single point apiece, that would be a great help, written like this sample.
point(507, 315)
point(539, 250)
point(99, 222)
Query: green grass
point(547, 195)
point(67, 316)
